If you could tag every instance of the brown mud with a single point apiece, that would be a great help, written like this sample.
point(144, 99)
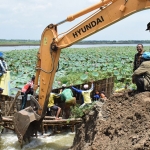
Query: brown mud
point(121, 123)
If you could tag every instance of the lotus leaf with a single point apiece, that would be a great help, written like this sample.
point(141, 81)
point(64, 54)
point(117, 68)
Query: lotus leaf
point(75, 61)
point(84, 77)
point(90, 69)
point(95, 74)
point(116, 72)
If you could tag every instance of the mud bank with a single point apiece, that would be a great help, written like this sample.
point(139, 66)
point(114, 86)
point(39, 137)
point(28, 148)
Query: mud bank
point(121, 123)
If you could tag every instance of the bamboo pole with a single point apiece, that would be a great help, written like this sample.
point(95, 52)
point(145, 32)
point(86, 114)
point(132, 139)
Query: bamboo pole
point(18, 93)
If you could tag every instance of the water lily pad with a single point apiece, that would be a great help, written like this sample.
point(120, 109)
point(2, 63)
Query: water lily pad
point(95, 74)
point(84, 77)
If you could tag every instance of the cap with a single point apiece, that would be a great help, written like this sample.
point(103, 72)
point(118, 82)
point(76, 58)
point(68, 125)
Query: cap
point(146, 55)
point(148, 26)
point(64, 85)
point(1, 55)
point(85, 86)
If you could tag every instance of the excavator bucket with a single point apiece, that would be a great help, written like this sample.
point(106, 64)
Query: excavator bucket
point(22, 122)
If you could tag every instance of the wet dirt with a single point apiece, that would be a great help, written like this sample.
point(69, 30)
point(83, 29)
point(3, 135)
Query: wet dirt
point(121, 123)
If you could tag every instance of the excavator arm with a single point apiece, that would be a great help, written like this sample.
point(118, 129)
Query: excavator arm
point(107, 13)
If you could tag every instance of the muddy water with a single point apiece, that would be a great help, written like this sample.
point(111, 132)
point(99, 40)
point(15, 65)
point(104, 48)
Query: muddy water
point(61, 141)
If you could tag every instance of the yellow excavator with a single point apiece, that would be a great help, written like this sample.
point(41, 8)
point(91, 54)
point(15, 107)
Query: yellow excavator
point(107, 12)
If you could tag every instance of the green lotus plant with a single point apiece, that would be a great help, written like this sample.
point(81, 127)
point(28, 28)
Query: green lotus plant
point(76, 65)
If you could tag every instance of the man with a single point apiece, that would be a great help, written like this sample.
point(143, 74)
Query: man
point(85, 93)
point(27, 89)
point(52, 106)
point(148, 26)
point(67, 97)
point(141, 75)
point(138, 55)
point(137, 58)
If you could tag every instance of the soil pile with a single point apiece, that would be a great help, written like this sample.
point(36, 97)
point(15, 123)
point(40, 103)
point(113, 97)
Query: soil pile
point(121, 123)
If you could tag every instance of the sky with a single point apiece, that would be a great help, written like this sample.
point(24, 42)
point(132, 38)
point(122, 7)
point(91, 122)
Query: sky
point(26, 19)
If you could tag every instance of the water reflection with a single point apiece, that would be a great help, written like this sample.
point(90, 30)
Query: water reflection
point(9, 48)
point(104, 45)
point(61, 141)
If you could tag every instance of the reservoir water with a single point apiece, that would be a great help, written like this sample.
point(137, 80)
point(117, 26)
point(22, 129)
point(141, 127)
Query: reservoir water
point(9, 48)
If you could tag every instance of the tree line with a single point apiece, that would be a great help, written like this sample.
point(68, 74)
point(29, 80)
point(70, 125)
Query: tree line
point(5, 42)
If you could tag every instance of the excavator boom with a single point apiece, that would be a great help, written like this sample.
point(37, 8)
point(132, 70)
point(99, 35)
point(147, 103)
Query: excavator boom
point(109, 12)
point(106, 13)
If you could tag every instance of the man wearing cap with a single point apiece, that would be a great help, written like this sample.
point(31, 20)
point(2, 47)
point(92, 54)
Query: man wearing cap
point(141, 76)
point(85, 93)
point(148, 26)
